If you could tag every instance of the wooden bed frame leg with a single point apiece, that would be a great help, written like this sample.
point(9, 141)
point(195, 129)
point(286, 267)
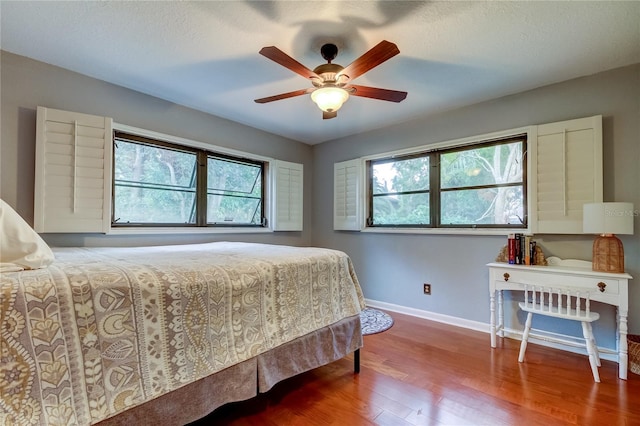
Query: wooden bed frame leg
point(356, 361)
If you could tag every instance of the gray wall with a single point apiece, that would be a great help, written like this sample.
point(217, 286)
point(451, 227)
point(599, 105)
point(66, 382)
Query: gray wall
point(27, 84)
point(392, 268)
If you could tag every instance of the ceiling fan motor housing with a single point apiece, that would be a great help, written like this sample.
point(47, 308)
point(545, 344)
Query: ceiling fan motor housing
point(328, 73)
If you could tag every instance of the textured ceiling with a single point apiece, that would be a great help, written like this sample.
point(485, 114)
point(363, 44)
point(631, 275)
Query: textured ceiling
point(204, 55)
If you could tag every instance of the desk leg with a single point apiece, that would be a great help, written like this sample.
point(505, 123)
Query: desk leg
point(623, 351)
point(492, 320)
point(500, 314)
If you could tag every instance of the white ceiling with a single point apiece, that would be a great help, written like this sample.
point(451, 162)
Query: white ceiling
point(204, 55)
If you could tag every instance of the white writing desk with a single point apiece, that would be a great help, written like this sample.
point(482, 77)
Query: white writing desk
point(609, 288)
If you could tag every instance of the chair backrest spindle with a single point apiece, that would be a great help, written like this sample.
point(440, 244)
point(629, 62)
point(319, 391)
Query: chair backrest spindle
point(558, 301)
point(578, 303)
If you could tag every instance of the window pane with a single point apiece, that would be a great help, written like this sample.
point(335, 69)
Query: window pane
point(228, 175)
point(401, 176)
point(234, 192)
point(487, 206)
point(142, 205)
point(407, 209)
point(233, 210)
point(489, 165)
point(153, 184)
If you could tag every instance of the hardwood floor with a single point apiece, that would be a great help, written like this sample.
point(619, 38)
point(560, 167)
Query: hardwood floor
point(425, 373)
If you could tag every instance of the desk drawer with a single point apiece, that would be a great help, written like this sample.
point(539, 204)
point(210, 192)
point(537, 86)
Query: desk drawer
point(601, 285)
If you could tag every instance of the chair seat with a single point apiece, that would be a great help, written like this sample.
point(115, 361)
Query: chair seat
point(556, 312)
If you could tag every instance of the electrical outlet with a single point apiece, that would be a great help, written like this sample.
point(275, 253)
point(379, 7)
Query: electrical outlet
point(427, 288)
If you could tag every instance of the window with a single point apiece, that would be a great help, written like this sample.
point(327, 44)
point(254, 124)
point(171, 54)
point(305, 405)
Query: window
point(482, 185)
point(156, 183)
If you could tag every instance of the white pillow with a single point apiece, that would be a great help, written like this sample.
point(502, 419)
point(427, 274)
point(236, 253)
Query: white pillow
point(20, 246)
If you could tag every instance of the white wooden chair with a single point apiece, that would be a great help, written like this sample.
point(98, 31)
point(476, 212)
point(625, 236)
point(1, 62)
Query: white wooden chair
point(572, 304)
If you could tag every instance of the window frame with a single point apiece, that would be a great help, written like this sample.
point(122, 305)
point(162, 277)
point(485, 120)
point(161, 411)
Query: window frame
point(205, 151)
point(528, 133)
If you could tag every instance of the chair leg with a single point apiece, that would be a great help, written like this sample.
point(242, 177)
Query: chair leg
point(588, 337)
point(525, 337)
point(593, 342)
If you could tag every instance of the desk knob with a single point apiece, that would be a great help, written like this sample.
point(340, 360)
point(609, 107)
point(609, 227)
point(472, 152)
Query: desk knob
point(601, 286)
point(506, 277)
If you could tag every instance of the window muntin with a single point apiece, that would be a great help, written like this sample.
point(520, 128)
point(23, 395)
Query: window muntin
point(476, 186)
point(156, 183)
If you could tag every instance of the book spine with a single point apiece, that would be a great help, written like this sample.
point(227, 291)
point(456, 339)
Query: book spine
point(532, 250)
point(526, 248)
point(511, 246)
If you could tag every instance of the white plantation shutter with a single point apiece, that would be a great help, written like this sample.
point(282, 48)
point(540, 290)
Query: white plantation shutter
point(347, 202)
point(287, 197)
point(73, 172)
point(568, 173)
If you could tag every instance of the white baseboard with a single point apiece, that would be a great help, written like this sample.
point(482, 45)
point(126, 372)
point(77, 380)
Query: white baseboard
point(543, 338)
point(433, 316)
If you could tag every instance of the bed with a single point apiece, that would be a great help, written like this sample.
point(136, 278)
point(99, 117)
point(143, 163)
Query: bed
point(166, 334)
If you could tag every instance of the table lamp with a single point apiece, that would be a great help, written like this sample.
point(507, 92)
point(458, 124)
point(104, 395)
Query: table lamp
point(607, 219)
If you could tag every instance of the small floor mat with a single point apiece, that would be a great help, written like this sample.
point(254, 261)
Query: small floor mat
point(374, 321)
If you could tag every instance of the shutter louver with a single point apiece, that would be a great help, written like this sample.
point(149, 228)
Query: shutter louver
point(347, 203)
point(288, 197)
point(568, 173)
point(73, 172)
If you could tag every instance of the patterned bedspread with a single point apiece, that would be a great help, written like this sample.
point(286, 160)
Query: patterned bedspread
point(105, 329)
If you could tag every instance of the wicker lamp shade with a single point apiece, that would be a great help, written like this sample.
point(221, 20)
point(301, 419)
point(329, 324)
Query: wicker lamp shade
point(608, 219)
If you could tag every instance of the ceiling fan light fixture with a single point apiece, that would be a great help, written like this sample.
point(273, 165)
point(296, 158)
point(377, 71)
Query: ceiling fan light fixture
point(329, 98)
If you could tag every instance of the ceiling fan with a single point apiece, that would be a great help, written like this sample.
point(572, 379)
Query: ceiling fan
point(332, 82)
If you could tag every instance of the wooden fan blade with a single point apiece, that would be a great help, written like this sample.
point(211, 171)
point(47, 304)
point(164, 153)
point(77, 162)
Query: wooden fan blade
point(377, 93)
point(381, 52)
point(282, 96)
point(328, 115)
point(287, 61)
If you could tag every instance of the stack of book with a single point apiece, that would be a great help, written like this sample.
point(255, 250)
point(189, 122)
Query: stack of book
point(522, 249)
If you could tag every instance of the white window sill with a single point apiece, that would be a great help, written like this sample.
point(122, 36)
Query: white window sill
point(447, 231)
point(177, 230)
